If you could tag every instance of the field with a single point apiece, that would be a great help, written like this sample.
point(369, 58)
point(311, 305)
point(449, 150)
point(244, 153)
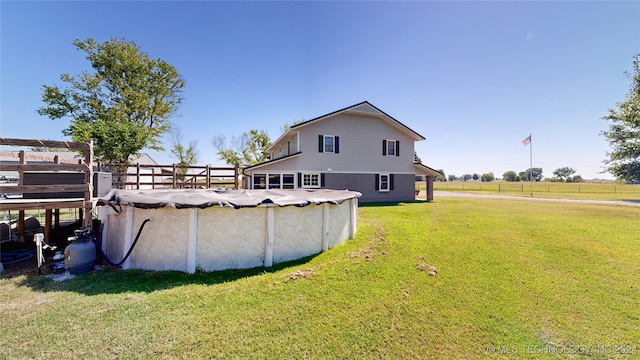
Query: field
point(512, 279)
point(588, 190)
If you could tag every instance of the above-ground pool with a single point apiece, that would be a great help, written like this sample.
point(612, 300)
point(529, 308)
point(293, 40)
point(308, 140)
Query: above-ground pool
point(223, 229)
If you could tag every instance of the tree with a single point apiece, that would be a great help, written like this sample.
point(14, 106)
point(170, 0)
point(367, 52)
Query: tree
point(441, 177)
point(185, 156)
point(286, 127)
point(488, 177)
point(47, 149)
point(564, 173)
point(416, 158)
point(466, 177)
point(251, 145)
point(624, 133)
point(476, 177)
point(510, 176)
point(576, 179)
point(124, 106)
point(452, 178)
point(531, 173)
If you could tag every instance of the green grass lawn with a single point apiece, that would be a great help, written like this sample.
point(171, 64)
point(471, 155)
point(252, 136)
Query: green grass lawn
point(512, 277)
point(544, 189)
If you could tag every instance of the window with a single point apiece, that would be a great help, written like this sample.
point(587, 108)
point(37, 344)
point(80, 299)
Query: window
point(329, 144)
point(310, 180)
point(384, 182)
point(259, 181)
point(390, 148)
point(288, 181)
point(274, 181)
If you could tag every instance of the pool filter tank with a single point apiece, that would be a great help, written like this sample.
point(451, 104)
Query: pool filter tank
point(80, 254)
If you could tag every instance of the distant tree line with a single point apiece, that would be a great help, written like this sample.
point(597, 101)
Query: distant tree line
point(563, 174)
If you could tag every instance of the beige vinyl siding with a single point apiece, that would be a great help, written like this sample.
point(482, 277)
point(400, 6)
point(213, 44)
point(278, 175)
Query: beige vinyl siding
point(360, 146)
point(286, 146)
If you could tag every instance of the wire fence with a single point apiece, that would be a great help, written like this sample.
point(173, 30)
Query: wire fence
point(538, 187)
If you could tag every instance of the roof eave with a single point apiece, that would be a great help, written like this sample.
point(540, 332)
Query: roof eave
point(426, 170)
point(256, 166)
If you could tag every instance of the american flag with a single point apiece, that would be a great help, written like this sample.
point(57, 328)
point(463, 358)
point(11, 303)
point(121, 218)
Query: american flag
point(526, 141)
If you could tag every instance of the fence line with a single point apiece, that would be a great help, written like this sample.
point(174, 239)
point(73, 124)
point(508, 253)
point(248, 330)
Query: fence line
point(139, 176)
point(550, 187)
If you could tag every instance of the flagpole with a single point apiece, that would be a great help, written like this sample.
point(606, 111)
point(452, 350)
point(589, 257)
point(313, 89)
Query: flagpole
point(531, 164)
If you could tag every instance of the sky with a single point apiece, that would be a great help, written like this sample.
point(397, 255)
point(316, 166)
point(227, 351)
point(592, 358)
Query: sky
point(474, 78)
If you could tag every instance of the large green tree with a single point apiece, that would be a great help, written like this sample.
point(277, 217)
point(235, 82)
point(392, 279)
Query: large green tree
point(510, 176)
point(124, 105)
point(251, 146)
point(624, 132)
point(564, 173)
point(531, 173)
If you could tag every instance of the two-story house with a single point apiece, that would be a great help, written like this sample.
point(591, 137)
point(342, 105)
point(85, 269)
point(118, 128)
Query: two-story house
point(358, 148)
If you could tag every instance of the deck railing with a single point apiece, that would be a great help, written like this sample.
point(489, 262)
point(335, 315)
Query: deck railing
point(141, 176)
point(42, 196)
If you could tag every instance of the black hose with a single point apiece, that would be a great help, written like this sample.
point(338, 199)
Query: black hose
point(104, 256)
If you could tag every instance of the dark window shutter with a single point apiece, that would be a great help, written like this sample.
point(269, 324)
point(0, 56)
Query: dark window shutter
point(391, 182)
point(384, 147)
point(320, 143)
point(397, 148)
point(299, 180)
point(322, 180)
point(377, 181)
point(337, 144)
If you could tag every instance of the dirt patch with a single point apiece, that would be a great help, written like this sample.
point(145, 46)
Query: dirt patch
point(423, 265)
point(373, 249)
point(300, 274)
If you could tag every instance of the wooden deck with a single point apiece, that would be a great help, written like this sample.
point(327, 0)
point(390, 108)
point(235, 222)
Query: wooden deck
point(36, 194)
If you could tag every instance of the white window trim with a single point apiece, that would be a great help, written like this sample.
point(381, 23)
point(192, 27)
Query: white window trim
point(380, 189)
point(310, 186)
point(324, 144)
point(266, 180)
point(279, 174)
point(394, 147)
point(282, 180)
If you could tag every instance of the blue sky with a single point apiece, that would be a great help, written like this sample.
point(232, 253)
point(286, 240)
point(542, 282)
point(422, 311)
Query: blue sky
point(474, 78)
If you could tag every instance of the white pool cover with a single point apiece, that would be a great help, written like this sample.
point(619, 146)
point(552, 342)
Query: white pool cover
point(223, 229)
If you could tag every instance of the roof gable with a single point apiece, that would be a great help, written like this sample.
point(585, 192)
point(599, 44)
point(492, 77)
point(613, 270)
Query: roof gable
point(367, 108)
point(363, 108)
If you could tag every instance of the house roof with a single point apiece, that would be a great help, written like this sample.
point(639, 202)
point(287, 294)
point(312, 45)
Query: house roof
point(272, 161)
point(363, 108)
point(425, 170)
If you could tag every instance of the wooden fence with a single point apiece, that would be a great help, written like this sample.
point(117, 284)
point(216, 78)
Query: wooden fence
point(140, 176)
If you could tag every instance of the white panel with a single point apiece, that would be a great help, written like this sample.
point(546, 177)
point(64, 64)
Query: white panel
point(298, 232)
point(163, 241)
point(339, 223)
point(192, 240)
point(231, 238)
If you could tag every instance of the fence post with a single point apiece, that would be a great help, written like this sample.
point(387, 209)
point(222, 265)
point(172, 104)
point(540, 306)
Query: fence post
point(208, 170)
point(235, 176)
point(174, 176)
point(138, 176)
